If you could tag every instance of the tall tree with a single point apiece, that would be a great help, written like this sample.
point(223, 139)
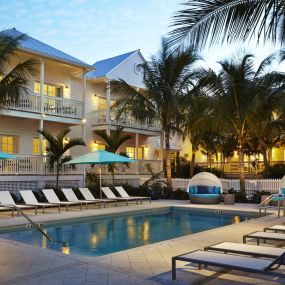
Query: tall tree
point(13, 81)
point(57, 148)
point(166, 80)
point(216, 21)
point(113, 142)
point(231, 92)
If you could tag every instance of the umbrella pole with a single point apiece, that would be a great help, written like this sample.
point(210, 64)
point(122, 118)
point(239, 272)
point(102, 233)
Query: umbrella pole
point(100, 173)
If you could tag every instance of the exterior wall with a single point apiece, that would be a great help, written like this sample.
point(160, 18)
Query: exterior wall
point(126, 70)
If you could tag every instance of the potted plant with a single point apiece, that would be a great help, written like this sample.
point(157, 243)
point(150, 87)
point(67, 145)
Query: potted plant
point(229, 197)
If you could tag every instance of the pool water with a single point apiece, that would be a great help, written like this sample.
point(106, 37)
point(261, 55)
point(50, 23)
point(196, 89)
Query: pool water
point(98, 236)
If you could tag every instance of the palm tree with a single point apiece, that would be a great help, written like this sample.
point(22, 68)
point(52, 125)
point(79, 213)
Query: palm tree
point(269, 114)
point(232, 96)
point(217, 21)
point(57, 148)
point(13, 81)
point(195, 123)
point(166, 80)
point(113, 142)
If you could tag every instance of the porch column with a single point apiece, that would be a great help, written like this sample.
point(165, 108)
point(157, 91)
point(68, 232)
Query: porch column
point(161, 150)
point(137, 152)
point(84, 106)
point(84, 120)
point(108, 97)
point(41, 126)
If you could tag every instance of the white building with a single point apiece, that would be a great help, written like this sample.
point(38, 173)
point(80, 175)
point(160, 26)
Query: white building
point(66, 92)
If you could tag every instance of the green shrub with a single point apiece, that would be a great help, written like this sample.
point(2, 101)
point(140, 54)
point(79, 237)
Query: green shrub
point(276, 171)
point(218, 172)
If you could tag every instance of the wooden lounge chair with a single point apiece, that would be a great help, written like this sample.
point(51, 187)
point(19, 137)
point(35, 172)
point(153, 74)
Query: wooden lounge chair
point(86, 193)
point(124, 194)
point(265, 236)
point(52, 198)
point(110, 195)
point(71, 197)
point(30, 199)
point(7, 201)
point(247, 249)
point(275, 228)
point(230, 261)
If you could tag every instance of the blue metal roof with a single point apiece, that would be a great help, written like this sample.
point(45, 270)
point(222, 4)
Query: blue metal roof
point(32, 45)
point(103, 67)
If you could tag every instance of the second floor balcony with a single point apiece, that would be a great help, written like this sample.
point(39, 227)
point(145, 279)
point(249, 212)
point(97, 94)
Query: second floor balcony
point(103, 117)
point(56, 106)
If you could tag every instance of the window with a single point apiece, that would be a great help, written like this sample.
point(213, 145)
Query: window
point(9, 144)
point(36, 146)
point(102, 103)
point(49, 89)
point(131, 152)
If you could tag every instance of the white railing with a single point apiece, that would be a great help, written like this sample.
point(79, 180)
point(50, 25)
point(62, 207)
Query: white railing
point(52, 105)
point(28, 102)
point(63, 107)
point(31, 165)
point(100, 117)
point(251, 185)
point(22, 165)
point(139, 167)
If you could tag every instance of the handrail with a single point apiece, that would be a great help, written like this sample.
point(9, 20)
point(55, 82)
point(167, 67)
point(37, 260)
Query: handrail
point(267, 201)
point(33, 223)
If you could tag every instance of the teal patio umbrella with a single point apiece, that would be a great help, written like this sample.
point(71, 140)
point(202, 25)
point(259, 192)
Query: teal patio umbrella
point(4, 155)
point(100, 157)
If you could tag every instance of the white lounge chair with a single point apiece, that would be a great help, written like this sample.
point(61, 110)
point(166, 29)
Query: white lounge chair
point(275, 228)
point(30, 199)
point(124, 194)
point(110, 195)
point(265, 236)
point(71, 197)
point(8, 202)
point(86, 193)
point(247, 249)
point(52, 198)
point(230, 261)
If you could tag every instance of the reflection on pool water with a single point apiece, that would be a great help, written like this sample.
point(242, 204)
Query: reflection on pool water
point(98, 236)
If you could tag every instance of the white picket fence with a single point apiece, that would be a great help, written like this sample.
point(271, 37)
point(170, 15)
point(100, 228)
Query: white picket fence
point(251, 185)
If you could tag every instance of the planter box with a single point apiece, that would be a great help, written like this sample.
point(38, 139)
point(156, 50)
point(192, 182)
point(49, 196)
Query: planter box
point(229, 199)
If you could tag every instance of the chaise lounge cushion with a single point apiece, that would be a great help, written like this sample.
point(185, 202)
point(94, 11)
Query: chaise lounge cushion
point(206, 195)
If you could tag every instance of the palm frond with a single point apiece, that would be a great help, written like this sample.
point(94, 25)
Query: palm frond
point(217, 21)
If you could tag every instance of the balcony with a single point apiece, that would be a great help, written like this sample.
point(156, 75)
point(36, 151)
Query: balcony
point(31, 165)
point(100, 117)
point(52, 106)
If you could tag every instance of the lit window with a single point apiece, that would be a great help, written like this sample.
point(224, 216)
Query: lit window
point(101, 147)
point(102, 103)
point(9, 144)
point(36, 146)
point(131, 152)
point(49, 89)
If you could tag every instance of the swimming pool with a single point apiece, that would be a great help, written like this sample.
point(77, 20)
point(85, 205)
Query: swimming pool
point(102, 235)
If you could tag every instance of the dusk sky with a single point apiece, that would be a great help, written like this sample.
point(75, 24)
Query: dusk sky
point(97, 29)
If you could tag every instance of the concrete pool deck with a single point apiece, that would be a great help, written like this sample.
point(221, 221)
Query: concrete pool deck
point(151, 264)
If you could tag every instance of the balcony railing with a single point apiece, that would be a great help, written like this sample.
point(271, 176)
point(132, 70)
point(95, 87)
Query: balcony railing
point(26, 165)
point(31, 165)
point(100, 117)
point(52, 105)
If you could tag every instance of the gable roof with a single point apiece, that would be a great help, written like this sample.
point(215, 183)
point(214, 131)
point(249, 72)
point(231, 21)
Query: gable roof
point(103, 67)
point(32, 45)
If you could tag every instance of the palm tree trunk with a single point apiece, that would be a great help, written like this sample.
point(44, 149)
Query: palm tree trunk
point(264, 154)
point(168, 161)
point(192, 163)
point(57, 175)
point(241, 170)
